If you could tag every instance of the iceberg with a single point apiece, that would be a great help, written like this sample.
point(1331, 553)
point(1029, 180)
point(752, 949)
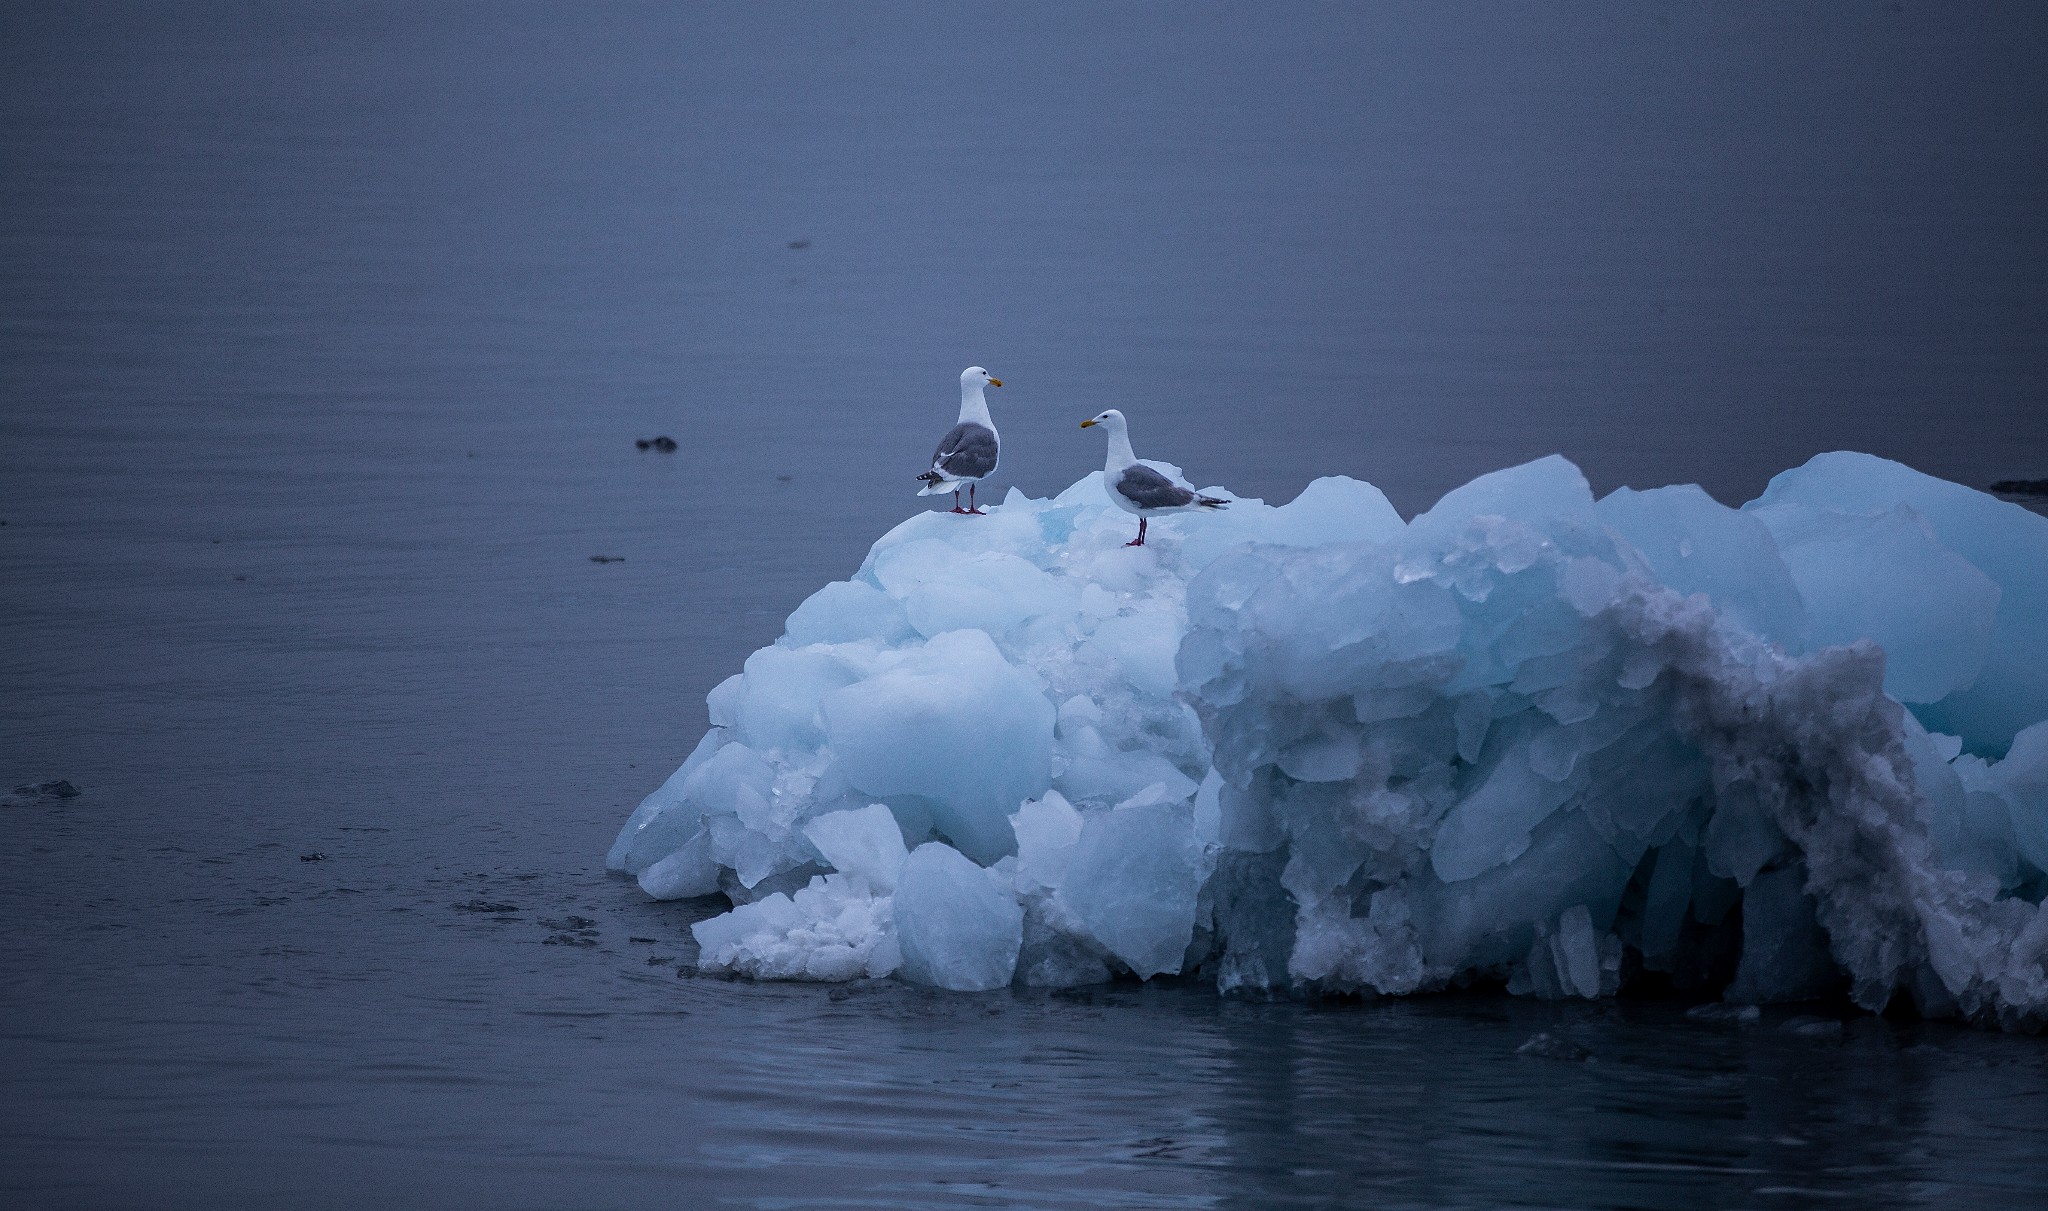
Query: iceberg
point(1528, 739)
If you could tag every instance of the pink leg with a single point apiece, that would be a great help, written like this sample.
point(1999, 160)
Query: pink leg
point(956, 502)
point(970, 502)
point(1139, 541)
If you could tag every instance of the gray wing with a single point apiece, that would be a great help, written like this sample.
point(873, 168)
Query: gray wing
point(1148, 489)
point(968, 452)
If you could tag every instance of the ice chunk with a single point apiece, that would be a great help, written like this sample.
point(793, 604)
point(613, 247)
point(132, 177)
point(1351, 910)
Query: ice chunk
point(688, 872)
point(943, 590)
point(2002, 540)
point(1481, 922)
point(731, 778)
point(956, 928)
point(834, 930)
point(1546, 492)
point(722, 703)
point(1885, 577)
point(1740, 836)
point(2024, 781)
point(1574, 954)
point(1577, 717)
point(2012, 797)
point(1208, 812)
point(955, 725)
point(1515, 740)
point(864, 842)
point(1099, 773)
point(1491, 825)
point(1331, 510)
point(1047, 830)
point(1695, 544)
point(1389, 635)
point(777, 706)
point(1134, 882)
point(844, 612)
point(665, 799)
point(1143, 645)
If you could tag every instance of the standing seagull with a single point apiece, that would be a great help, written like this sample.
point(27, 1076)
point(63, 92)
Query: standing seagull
point(1137, 488)
point(968, 453)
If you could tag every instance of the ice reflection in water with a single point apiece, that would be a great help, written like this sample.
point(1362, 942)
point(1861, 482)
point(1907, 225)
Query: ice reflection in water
point(1165, 1097)
point(337, 1029)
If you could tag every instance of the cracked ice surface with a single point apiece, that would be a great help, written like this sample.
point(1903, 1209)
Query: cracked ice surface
point(1528, 738)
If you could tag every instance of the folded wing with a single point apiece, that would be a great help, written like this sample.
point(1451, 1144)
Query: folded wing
point(968, 451)
point(1148, 489)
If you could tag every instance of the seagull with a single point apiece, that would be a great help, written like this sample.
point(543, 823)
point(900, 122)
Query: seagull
point(1137, 488)
point(968, 453)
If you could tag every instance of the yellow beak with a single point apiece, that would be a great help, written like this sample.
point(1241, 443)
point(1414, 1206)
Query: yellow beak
point(995, 382)
point(1086, 423)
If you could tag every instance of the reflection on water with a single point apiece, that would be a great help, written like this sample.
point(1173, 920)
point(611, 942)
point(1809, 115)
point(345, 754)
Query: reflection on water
point(236, 1022)
point(328, 335)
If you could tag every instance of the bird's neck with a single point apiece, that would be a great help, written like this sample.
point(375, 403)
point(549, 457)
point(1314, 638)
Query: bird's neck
point(973, 406)
point(1120, 455)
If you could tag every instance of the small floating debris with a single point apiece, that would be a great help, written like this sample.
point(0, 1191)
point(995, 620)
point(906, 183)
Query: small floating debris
point(1721, 1011)
point(637, 938)
point(665, 444)
point(1546, 1046)
point(312, 857)
point(607, 559)
point(31, 793)
point(1812, 1028)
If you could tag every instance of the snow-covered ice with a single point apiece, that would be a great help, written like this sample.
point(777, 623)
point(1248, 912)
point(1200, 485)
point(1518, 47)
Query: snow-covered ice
point(1527, 738)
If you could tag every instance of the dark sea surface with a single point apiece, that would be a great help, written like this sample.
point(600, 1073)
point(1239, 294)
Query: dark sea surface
point(326, 332)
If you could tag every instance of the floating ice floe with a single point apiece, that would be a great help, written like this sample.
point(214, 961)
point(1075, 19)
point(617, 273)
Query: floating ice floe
point(1775, 752)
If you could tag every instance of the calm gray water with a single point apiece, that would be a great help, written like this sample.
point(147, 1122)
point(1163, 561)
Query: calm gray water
point(325, 338)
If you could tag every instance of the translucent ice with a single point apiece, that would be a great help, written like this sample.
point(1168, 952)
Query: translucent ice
point(1886, 577)
point(1529, 739)
point(1047, 830)
point(1593, 740)
point(952, 725)
point(865, 842)
point(957, 928)
point(2004, 542)
point(1134, 882)
point(1695, 544)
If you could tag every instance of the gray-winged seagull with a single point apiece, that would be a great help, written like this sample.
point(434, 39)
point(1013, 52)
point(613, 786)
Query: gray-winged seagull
point(1137, 488)
point(969, 451)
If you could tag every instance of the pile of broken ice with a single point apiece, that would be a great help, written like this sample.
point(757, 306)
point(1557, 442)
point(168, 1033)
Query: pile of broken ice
point(1528, 737)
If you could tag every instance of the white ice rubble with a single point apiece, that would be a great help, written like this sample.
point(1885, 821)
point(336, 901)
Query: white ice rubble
point(1528, 737)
